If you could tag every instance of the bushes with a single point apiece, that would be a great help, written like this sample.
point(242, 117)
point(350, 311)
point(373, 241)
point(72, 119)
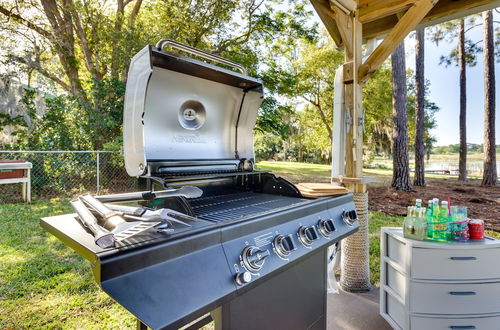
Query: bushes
point(82, 122)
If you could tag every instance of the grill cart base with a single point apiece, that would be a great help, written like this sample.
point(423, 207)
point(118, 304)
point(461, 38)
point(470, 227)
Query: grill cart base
point(293, 299)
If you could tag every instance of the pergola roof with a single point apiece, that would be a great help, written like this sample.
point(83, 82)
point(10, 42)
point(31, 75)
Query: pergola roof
point(378, 17)
point(392, 19)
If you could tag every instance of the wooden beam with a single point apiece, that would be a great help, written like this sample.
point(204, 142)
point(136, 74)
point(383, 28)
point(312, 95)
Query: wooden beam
point(324, 11)
point(398, 33)
point(446, 10)
point(378, 28)
point(348, 6)
point(348, 72)
point(344, 24)
point(372, 10)
point(443, 11)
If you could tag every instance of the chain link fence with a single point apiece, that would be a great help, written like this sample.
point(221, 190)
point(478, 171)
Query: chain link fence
point(68, 173)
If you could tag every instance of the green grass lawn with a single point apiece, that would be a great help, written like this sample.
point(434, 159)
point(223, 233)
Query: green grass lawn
point(307, 172)
point(44, 284)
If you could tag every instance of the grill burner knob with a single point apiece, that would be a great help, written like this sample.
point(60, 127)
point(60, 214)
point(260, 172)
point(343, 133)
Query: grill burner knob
point(284, 245)
point(243, 278)
point(326, 227)
point(253, 258)
point(349, 217)
point(307, 235)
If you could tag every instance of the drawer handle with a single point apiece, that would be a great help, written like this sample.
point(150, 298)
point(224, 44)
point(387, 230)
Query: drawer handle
point(462, 293)
point(456, 327)
point(463, 258)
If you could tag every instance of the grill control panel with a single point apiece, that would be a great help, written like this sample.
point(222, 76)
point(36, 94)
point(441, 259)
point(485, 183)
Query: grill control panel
point(260, 253)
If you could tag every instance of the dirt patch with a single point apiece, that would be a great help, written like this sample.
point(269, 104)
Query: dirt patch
point(482, 202)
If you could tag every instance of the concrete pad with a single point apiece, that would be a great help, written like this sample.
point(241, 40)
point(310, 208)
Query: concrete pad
point(355, 311)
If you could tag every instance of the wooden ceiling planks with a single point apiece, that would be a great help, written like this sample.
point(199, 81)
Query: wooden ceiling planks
point(370, 11)
point(380, 16)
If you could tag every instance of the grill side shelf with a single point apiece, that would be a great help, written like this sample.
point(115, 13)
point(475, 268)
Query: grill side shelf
point(67, 229)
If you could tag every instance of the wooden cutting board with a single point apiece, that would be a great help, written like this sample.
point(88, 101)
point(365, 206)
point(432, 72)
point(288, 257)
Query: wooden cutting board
point(307, 194)
point(320, 189)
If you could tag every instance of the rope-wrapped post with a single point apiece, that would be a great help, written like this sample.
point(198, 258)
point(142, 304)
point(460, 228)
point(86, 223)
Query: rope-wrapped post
point(355, 260)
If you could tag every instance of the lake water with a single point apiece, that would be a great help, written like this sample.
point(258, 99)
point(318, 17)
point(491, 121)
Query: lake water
point(473, 167)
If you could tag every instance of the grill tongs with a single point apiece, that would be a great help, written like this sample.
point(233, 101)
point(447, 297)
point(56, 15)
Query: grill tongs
point(187, 192)
point(113, 222)
point(141, 213)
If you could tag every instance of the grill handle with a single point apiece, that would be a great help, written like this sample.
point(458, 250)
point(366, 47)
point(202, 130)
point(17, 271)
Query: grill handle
point(102, 237)
point(197, 52)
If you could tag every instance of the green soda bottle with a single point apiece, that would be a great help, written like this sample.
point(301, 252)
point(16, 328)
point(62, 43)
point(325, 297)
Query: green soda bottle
point(428, 217)
point(444, 215)
point(435, 210)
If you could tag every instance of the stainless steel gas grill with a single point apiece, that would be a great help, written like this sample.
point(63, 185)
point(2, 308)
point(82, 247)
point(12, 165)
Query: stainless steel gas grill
point(251, 250)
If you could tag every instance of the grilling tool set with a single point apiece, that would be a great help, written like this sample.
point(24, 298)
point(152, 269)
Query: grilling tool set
point(113, 223)
point(215, 235)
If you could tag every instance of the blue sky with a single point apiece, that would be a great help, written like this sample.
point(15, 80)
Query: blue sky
point(444, 91)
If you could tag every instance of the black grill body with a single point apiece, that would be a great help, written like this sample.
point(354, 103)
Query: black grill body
point(167, 281)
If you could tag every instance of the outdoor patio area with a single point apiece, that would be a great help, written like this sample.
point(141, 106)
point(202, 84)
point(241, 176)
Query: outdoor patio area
point(249, 164)
point(355, 311)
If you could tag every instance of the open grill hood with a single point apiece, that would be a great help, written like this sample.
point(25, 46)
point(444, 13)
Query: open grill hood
point(180, 109)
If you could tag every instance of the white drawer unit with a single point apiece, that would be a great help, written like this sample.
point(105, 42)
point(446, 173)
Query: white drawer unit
point(461, 323)
point(439, 285)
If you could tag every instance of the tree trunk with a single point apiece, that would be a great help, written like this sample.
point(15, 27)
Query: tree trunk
point(400, 174)
point(60, 19)
point(489, 167)
point(462, 162)
point(420, 109)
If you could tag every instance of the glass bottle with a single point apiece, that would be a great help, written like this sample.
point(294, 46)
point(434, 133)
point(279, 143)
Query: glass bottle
point(444, 215)
point(409, 223)
point(420, 224)
point(444, 212)
point(428, 217)
point(435, 210)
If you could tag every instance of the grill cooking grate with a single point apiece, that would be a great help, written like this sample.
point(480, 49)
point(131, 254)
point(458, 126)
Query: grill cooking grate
point(237, 206)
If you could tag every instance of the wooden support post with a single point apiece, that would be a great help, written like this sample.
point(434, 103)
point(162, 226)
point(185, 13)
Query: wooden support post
point(355, 270)
point(353, 102)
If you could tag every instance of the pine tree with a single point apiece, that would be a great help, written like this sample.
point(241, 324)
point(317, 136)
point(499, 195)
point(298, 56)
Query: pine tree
point(419, 179)
point(401, 166)
point(490, 166)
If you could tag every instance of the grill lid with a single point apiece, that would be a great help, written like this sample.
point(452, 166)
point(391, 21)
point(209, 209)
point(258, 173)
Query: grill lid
point(180, 109)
